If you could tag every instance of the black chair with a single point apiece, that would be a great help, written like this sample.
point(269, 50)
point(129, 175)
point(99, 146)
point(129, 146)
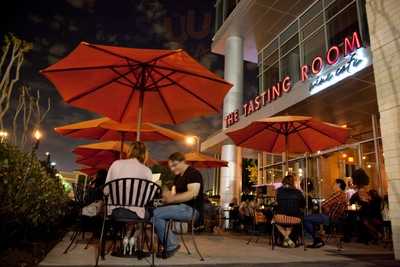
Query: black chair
point(192, 224)
point(127, 193)
point(81, 199)
point(334, 230)
point(292, 206)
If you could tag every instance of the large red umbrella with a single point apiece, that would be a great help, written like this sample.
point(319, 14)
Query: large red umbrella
point(289, 134)
point(129, 84)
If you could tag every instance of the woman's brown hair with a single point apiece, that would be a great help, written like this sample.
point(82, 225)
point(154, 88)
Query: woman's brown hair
point(288, 180)
point(138, 151)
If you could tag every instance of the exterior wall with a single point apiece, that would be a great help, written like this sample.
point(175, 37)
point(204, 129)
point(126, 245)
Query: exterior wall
point(384, 27)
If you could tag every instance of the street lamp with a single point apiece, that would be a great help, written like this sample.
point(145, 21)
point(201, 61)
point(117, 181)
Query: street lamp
point(37, 135)
point(3, 136)
point(191, 140)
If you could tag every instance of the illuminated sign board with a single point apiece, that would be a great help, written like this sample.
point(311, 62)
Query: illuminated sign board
point(338, 64)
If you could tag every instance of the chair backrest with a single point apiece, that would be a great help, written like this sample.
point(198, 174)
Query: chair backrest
point(79, 194)
point(131, 192)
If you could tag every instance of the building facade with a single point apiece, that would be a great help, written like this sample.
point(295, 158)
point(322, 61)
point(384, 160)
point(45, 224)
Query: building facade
point(334, 60)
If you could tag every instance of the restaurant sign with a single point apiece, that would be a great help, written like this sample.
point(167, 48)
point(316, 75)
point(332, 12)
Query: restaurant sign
point(322, 73)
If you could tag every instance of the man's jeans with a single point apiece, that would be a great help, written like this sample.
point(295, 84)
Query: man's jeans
point(176, 212)
point(313, 219)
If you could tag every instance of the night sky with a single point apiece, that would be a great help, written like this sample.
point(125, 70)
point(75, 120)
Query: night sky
point(56, 27)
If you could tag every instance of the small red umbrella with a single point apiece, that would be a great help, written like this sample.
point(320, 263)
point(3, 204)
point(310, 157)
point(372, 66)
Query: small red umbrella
point(129, 84)
point(200, 160)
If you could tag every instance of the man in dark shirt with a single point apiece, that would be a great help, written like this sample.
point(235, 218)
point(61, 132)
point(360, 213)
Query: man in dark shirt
point(182, 202)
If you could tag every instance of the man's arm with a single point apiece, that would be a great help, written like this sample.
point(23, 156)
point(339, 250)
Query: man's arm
point(191, 193)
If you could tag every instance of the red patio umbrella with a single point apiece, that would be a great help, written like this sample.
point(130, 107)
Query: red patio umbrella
point(129, 84)
point(289, 134)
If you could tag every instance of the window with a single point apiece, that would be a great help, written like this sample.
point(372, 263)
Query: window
point(342, 25)
point(286, 47)
point(314, 24)
point(290, 64)
point(288, 33)
point(311, 13)
point(270, 76)
point(271, 60)
point(314, 46)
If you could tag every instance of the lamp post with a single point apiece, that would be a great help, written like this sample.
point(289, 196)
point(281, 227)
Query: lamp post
point(3, 136)
point(37, 135)
point(191, 140)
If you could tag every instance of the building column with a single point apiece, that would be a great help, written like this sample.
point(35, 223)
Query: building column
point(231, 176)
point(384, 27)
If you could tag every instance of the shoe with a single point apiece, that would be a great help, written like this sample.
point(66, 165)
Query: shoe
point(168, 254)
point(318, 243)
point(285, 243)
point(125, 245)
point(291, 244)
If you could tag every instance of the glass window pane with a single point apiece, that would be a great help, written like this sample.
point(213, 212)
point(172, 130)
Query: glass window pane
point(286, 47)
point(312, 26)
point(335, 7)
point(311, 13)
point(272, 59)
point(271, 48)
point(292, 29)
point(271, 76)
point(343, 25)
point(290, 64)
point(314, 46)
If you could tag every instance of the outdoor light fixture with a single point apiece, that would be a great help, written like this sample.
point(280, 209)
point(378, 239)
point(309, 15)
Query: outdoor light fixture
point(369, 166)
point(53, 163)
point(364, 157)
point(3, 136)
point(47, 153)
point(191, 140)
point(350, 159)
point(37, 135)
point(344, 155)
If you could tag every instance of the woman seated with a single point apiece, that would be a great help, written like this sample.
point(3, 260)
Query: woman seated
point(290, 202)
point(133, 167)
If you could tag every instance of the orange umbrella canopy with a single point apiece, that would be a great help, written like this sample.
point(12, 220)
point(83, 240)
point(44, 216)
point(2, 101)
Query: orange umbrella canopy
point(200, 160)
point(129, 84)
point(100, 149)
point(106, 129)
point(294, 134)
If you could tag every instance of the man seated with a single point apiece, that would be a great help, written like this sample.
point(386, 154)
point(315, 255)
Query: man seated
point(332, 210)
point(184, 199)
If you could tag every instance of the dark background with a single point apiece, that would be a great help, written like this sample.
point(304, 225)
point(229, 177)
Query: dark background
point(56, 27)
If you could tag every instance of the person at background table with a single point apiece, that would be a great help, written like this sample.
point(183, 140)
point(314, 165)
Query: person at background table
point(183, 201)
point(132, 167)
point(370, 204)
point(288, 213)
point(332, 211)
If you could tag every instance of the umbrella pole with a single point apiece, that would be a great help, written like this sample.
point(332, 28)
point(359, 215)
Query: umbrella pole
point(286, 155)
point(140, 114)
point(121, 151)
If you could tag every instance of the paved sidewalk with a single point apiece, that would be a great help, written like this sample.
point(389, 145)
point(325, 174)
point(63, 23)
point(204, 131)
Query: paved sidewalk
point(232, 251)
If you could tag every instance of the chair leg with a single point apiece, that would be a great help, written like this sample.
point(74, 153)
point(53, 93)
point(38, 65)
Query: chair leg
point(73, 237)
point(273, 237)
point(165, 237)
point(182, 239)
point(100, 250)
point(195, 244)
point(152, 245)
point(302, 236)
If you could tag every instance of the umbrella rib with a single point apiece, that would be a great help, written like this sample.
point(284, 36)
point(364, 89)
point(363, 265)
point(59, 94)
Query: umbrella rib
point(124, 77)
point(162, 78)
point(112, 53)
point(251, 136)
point(72, 99)
point(166, 55)
point(188, 91)
point(84, 68)
point(319, 131)
point(127, 104)
point(304, 141)
point(163, 100)
point(274, 142)
point(191, 73)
